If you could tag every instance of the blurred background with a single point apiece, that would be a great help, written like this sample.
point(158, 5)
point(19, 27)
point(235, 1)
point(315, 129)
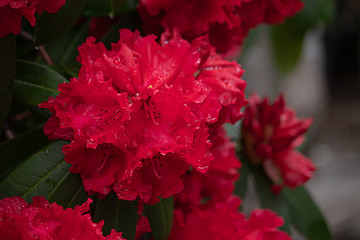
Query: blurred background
point(317, 65)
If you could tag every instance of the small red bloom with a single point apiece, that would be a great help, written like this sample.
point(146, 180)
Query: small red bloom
point(44, 221)
point(270, 133)
point(222, 221)
point(12, 11)
point(142, 227)
point(227, 22)
point(218, 183)
point(138, 114)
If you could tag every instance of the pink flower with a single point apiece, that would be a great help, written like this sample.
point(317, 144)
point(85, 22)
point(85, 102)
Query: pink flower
point(227, 22)
point(270, 133)
point(222, 221)
point(41, 220)
point(12, 11)
point(138, 114)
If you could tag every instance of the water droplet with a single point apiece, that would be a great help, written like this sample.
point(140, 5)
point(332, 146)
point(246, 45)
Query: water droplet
point(117, 61)
point(203, 168)
point(46, 151)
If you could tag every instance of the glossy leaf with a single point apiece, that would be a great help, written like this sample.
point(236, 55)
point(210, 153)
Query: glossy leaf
point(123, 6)
point(51, 26)
point(68, 59)
point(69, 192)
point(97, 8)
point(160, 217)
point(117, 214)
point(15, 151)
point(37, 175)
point(7, 74)
point(268, 199)
point(35, 83)
point(306, 216)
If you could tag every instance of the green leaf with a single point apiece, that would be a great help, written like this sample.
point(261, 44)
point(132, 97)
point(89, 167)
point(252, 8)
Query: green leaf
point(160, 217)
point(268, 199)
point(287, 41)
point(241, 184)
point(16, 150)
point(69, 192)
point(37, 175)
point(287, 38)
point(123, 6)
point(117, 214)
point(306, 216)
point(51, 26)
point(68, 59)
point(7, 74)
point(129, 20)
point(97, 8)
point(35, 83)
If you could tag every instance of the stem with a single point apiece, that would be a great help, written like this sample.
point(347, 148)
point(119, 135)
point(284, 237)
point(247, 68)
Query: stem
point(45, 55)
point(29, 37)
point(21, 116)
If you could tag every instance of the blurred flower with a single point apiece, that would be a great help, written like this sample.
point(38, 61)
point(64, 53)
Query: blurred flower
point(138, 114)
point(12, 11)
point(270, 134)
point(41, 220)
point(222, 221)
point(142, 227)
point(227, 22)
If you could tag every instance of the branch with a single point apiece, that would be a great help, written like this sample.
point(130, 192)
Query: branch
point(29, 37)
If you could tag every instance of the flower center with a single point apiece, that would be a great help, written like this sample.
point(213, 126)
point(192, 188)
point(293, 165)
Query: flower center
point(109, 152)
point(109, 115)
point(152, 163)
point(151, 111)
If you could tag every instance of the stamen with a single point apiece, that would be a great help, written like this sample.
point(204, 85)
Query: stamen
point(150, 111)
point(110, 151)
point(153, 163)
point(109, 115)
point(156, 174)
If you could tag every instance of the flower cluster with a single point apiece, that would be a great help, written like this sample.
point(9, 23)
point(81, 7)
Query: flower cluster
point(270, 134)
point(138, 114)
point(206, 208)
point(227, 22)
point(43, 221)
point(12, 11)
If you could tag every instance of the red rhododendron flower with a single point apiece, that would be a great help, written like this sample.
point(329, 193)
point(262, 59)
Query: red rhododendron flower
point(218, 183)
point(12, 11)
point(43, 221)
point(142, 227)
point(223, 222)
point(138, 114)
point(227, 22)
point(270, 133)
